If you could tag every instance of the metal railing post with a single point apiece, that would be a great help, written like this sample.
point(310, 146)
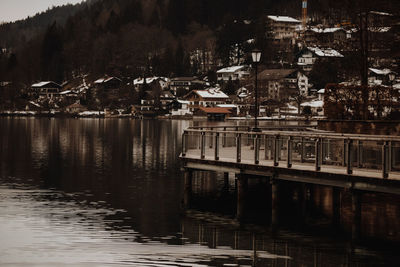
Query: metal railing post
point(184, 144)
point(216, 146)
point(289, 152)
point(239, 147)
point(224, 138)
point(385, 160)
point(318, 154)
point(203, 145)
point(359, 153)
point(344, 162)
point(276, 149)
point(256, 149)
point(349, 159)
point(393, 156)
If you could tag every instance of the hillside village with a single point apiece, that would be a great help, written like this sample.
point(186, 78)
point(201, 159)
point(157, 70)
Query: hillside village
point(303, 58)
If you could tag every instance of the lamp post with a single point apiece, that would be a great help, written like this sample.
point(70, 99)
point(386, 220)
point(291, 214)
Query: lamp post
point(256, 56)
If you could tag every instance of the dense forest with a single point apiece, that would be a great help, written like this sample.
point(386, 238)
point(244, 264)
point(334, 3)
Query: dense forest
point(129, 38)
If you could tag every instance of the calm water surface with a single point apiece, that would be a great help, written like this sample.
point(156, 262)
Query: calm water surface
point(94, 192)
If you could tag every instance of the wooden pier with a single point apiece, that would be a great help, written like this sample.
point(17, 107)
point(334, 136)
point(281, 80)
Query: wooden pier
point(359, 163)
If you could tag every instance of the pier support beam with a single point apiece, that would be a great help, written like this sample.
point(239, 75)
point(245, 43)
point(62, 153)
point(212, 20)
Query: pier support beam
point(226, 180)
point(274, 203)
point(336, 203)
point(187, 191)
point(242, 185)
point(356, 214)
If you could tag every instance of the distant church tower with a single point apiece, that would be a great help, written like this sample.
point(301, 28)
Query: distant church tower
point(304, 13)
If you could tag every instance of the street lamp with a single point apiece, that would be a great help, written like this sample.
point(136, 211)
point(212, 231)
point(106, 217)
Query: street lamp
point(256, 56)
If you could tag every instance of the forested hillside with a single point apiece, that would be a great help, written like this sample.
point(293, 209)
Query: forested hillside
point(129, 37)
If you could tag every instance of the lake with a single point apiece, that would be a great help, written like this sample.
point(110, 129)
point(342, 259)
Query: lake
point(108, 192)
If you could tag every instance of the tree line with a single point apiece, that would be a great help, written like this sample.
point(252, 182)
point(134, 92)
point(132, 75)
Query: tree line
point(130, 38)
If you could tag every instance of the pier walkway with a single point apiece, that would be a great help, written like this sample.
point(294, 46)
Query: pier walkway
point(296, 153)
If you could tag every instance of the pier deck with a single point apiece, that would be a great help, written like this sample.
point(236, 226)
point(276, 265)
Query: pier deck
point(361, 162)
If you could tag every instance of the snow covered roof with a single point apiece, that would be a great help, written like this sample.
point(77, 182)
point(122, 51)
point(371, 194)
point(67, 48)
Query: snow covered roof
point(325, 52)
point(379, 29)
point(105, 79)
point(65, 92)
point(227, 106)
point(380, 13)
point(149, 80)
point(211, 93)
point(321, 91)
point(283, 19)
point(35, 104)
point(47, 83)
point(326, 30)
point(231, 69)
point(380, 72)
point(183, 102)
point(313, 104)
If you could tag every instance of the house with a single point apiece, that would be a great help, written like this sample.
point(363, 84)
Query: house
point(233, 73)
point(282, 28)
point(326, 37)
point(321, 94)
point(380, 76)
point(180, 86)
point(234, 109)
point(279, 84)
point(108, 83)
point(69, 95)
point(309, 55)
point(205, 98)
point(316, 106)
point(148, 105)
point(139, 82)
point(213, 113)
point(179, 108)
point(166, 97)
point(47, 89)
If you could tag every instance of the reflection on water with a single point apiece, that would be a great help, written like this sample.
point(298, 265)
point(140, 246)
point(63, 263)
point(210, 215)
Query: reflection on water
point(93, 192)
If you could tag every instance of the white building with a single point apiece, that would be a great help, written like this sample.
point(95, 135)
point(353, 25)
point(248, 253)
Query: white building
point(235, 73)
point(181, 109)
point(311, 54)
point(206, 98)
point(47, 89)
point(138, 83)
point(282, 28)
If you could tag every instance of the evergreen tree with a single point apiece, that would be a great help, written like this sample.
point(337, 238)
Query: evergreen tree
point(52, 59)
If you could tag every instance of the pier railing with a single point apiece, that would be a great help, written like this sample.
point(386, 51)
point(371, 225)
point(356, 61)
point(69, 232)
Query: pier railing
point(294, 148)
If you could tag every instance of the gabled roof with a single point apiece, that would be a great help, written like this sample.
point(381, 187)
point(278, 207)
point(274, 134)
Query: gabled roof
point(328, 52)
point(231, 69)
point(380, 72)
point(313, 104)
point(149, 80)
point(211, 93)
point(283, 19)
point(325, 30)
point(106, 79)
point(47, 84)
point(275, 74)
